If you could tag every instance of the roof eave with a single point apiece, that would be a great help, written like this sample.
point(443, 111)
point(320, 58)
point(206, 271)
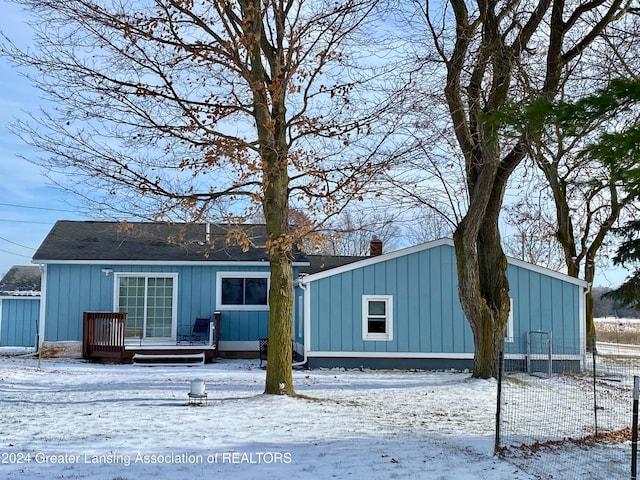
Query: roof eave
point(240, 263)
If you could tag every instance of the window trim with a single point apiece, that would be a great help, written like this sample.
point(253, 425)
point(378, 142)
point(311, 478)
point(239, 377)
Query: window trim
point(174, 307)
point(388, 335)
point(508, 338)
point(255, 308)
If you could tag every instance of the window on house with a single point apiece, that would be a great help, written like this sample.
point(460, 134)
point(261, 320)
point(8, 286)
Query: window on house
point(377, 317)
point(242, 291)
point(149, 301)
point(509, 333)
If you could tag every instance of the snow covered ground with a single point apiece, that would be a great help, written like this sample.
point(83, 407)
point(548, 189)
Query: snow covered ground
point(76, 420)
point(70, 419)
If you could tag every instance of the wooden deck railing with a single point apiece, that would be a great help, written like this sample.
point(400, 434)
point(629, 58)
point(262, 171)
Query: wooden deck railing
point(103, 334)
point(103, 339)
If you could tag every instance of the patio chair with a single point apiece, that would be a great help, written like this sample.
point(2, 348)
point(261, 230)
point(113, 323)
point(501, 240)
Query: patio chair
point(199, 332)
point(264, 347)
point(263, 344)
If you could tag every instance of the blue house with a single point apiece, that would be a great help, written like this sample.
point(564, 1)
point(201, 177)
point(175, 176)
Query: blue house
point(158, 278)
point(401, 310)
point(19, 306)
point(119, 290)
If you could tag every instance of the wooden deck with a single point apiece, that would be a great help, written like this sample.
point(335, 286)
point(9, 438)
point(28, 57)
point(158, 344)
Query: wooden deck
point(104, 340)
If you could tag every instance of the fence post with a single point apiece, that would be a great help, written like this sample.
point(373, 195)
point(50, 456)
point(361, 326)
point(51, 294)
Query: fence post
point(550, 348)
point(595, 395)
point(634, 429)
point(496, 446)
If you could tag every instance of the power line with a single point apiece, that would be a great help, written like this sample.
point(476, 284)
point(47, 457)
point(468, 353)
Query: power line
point(36, 208)
point(24, 221)
point(18, 244)
point(13, 253)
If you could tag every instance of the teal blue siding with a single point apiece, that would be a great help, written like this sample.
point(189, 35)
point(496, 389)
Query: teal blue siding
point(401, 274)
point(74, 289)
point(353, 307)
point(71, 290)
point(543, 303)
point(335, 308)
point(423, 340)
point(19, 320)
point(427, 316)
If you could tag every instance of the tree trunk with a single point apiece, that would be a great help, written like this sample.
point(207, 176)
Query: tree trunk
point(269, 111)
point(481, 66)
point(483, 287)
point(279, 245)
point(488, 322)
point(275, 206)
point(279, 372)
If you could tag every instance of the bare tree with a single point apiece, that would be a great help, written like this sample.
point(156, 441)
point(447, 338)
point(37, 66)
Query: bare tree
point(495, 53)
point(532, 222)
point(351, 233)
point(161, 106)
point(589, 196)
point(588, 203)
point(428, 225)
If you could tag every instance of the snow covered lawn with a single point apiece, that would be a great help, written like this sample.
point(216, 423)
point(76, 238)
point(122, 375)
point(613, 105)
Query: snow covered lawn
point(70, 419)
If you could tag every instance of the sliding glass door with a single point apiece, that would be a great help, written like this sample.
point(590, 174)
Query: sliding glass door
point(149, 300)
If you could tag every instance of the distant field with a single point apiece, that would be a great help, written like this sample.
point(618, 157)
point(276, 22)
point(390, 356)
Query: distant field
point(618, 330)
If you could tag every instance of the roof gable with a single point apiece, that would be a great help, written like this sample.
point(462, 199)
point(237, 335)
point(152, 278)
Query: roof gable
point(434, 244)
point(153, 241)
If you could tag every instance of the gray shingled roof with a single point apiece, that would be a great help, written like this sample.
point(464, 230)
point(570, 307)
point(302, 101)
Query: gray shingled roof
point(21, 280)
point(321, 263)
point(149, 241)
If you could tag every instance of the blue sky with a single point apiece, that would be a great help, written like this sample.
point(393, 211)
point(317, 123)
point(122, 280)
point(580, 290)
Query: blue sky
point(29, 204)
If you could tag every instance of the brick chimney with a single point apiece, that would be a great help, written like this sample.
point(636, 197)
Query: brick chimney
point(375, 246)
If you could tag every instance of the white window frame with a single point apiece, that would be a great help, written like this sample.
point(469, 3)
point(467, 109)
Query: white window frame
point(174, 301)
point(509, 333)
point(300, 316)
point(221, 275)
point(388, 335)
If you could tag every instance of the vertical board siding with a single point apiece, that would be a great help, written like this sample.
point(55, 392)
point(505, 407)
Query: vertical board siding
point(346, 308)
point(544, 304)
point(334, 310)
point(423, 341)
point(402, 315)
point(533, 293)
point(546, 301)
point(73, 289)
point(452, 341)
point(414, 287)
point(437, 297)
point(355, 309)
point(427, 315)
point(18, 324)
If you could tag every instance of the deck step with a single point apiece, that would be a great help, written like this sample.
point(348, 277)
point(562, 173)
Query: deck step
point(168, 359)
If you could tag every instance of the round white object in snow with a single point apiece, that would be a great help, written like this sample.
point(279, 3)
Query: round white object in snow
point(197, 387)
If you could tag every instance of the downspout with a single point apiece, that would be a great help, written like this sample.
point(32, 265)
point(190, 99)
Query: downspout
point(306, 321)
